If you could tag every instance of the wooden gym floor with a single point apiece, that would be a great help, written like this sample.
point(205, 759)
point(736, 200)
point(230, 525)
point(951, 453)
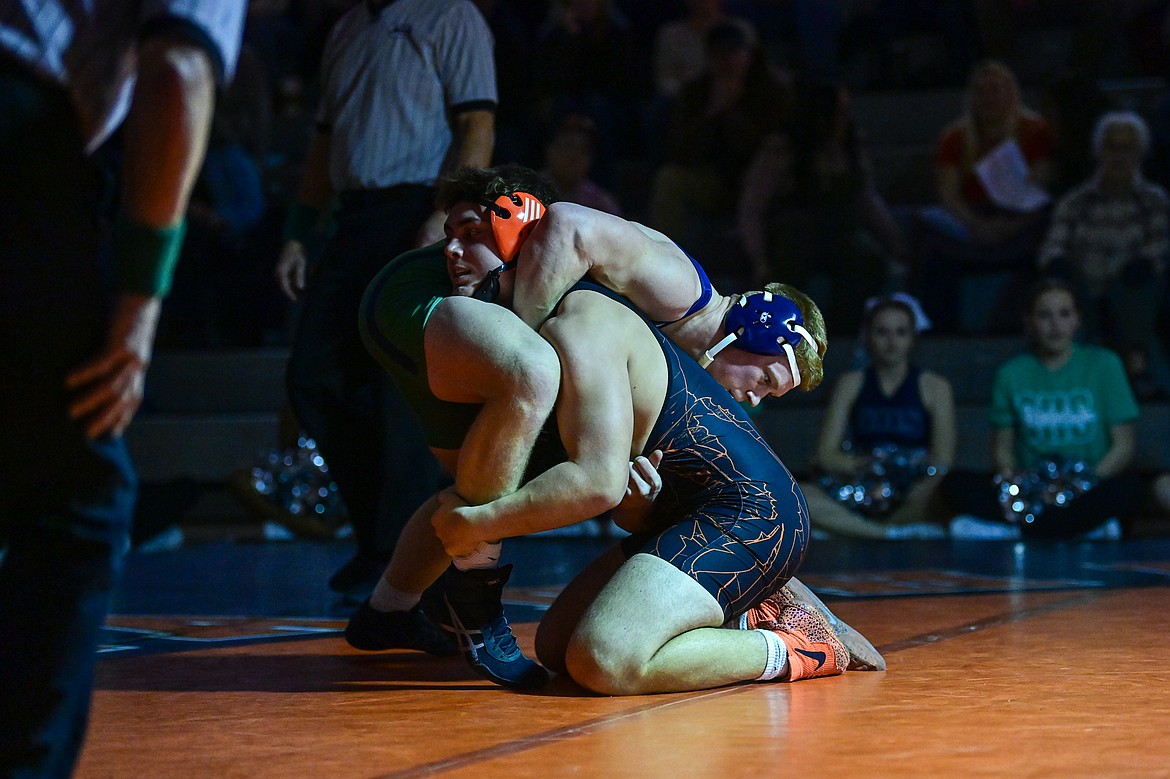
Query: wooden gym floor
point(1005, 660)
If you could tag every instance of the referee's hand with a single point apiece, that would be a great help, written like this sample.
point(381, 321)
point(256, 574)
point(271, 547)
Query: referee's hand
point(291, 268)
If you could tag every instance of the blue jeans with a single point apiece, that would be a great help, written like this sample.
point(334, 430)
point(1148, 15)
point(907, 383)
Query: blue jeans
point(68, 501)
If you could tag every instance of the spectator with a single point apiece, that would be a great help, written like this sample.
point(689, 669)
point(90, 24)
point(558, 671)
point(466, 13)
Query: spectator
point(1110, 236)
point(585, 62)
point(680, 53)
point(974, 229)
point(889, 430)
point(716, 126)
point(568, 158)
point(808, 206)
point(1062, 417)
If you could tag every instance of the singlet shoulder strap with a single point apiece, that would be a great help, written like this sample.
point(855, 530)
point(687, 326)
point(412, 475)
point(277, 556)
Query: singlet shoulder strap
point(705, 292)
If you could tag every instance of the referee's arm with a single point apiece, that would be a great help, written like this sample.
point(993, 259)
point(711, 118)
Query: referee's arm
point(475, 138)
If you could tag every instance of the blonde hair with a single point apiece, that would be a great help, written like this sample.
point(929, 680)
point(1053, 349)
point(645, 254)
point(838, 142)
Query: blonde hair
point(1018, 109)
point(809, 356)
point(995, 68)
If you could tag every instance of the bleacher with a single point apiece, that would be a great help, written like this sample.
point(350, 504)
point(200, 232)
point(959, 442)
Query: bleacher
point(791, 423)
point(209, 414)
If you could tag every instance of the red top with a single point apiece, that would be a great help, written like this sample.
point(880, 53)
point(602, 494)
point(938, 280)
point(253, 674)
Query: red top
point(1032, 134)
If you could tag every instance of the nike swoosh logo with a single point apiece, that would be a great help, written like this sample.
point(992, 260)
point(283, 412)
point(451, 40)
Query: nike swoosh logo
point(820, 657)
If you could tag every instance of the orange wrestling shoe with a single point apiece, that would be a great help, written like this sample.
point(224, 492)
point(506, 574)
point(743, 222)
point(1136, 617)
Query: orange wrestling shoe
point(863, 656)
point(813, 648)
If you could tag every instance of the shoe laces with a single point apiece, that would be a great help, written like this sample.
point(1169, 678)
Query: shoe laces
point(495, 629)
point(502, 635)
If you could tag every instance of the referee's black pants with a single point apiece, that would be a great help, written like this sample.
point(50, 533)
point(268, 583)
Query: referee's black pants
point(365, 430)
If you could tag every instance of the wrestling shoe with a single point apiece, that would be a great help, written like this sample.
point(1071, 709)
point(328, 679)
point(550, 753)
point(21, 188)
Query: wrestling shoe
point(813, 648)
point(474, 610)
point(863, 656)
point(374, 631)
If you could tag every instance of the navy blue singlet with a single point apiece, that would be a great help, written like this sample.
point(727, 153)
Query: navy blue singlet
point(730, 515)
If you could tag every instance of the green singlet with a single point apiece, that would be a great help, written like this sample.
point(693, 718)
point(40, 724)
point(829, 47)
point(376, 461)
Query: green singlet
point(392, 318)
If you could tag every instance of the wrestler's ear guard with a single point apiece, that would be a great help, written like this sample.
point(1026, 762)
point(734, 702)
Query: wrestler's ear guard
point(512, 218)
point(763, 323)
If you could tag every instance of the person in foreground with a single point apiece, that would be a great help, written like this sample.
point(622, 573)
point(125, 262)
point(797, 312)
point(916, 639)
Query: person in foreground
point(80, 310)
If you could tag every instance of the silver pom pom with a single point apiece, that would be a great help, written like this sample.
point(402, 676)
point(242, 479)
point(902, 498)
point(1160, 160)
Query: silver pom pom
point(300, 489)
point(882, 486)
point(1054, 482)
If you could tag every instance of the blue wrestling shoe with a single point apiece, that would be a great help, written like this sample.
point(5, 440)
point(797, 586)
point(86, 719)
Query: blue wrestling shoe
point(475, 614)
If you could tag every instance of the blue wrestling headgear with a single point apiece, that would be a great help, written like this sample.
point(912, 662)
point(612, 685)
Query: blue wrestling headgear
point(763, 323)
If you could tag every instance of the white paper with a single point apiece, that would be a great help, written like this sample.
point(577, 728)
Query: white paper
point(1005, 175)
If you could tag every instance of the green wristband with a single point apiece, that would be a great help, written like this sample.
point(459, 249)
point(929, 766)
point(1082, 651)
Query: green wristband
point(300, 223)
point(146, 256)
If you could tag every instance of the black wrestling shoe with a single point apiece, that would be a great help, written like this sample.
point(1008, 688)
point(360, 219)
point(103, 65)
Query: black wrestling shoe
point(475, 614)
point(375, 631)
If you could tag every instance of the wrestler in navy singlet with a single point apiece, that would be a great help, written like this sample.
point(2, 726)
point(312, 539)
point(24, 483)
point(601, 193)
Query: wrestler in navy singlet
point(901, 419)
point(732, 517)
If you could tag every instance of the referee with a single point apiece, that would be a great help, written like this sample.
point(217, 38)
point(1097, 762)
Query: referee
point(408, 89)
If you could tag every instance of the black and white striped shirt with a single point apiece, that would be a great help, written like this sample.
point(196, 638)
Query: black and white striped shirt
point(1100, 233)
point(390, 80)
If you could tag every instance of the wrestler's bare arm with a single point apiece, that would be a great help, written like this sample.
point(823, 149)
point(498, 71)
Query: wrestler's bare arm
point(595, 415)
point(629, 258)
point(477, 352)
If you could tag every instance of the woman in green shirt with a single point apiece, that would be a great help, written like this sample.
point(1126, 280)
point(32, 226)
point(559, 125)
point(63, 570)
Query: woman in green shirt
point(1057, 406)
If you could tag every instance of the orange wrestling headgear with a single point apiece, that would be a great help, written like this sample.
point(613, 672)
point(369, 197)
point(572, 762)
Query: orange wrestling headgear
point(513, 218)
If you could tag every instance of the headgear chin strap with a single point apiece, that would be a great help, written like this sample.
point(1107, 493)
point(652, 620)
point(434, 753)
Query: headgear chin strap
point(512, 218)
point(763, 323)
point(489, 289)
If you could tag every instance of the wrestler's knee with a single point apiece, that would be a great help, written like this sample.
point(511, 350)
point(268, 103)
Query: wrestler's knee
point(604, 666)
